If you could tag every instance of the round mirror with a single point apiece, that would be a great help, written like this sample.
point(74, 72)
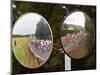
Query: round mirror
point(77, 36)
point(32, 40)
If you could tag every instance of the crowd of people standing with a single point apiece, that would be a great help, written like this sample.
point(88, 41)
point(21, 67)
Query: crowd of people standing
point(74, 39)
point(40, 45)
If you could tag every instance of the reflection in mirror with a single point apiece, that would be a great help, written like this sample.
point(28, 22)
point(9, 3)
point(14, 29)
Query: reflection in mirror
point(32, 40)
point(75, 36)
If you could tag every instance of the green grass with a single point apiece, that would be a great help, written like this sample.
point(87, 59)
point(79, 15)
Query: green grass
point(19, 52)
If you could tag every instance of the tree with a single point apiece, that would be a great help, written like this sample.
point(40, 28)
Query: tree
point(42, 31)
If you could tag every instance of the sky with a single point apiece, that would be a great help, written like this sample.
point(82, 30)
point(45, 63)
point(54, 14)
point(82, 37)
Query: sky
point(26, 24)
point(76, 18)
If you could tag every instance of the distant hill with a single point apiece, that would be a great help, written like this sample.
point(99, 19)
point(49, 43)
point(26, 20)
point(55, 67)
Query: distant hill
point(76, 27)
point(18, 35)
